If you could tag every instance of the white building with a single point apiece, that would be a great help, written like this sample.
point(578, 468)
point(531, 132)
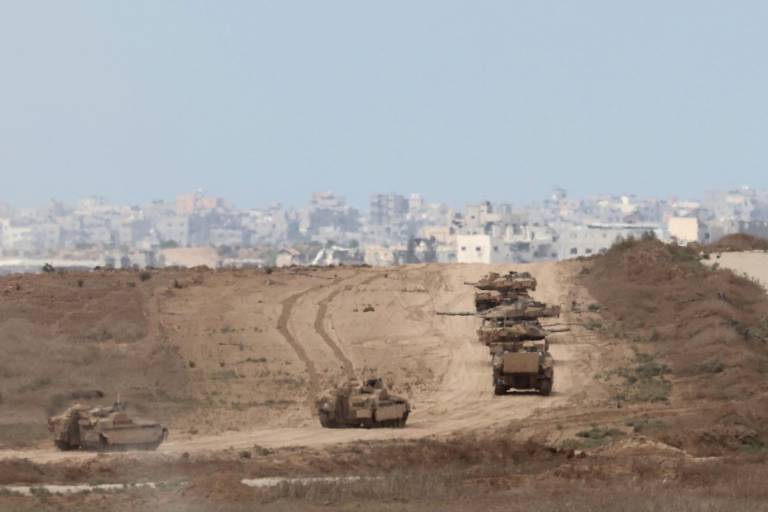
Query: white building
point(480, 249)
point(17, 238)
point(684, 229)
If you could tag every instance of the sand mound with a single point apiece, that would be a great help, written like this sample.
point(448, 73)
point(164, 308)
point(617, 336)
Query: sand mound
point(708, 329)
point(738, 242)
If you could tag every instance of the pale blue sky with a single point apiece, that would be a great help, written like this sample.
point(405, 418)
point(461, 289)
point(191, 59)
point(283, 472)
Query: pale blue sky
point(263, 101)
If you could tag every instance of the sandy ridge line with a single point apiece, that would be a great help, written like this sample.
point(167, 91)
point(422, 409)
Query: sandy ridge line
point(322, 311)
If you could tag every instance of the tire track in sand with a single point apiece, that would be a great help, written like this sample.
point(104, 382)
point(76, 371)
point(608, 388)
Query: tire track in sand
point(322, 311)
point(282, 327)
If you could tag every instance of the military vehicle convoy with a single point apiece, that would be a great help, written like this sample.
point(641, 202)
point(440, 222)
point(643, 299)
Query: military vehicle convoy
point(494, 289)
point(511, 329)
point(104, 428)
point(368, 405)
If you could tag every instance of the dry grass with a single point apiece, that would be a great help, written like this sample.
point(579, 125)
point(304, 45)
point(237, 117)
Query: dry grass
point(694, 486)
point(738, 242)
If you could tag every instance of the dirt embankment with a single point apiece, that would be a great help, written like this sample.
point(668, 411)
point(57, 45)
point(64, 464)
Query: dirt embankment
point(700, 341)
point(465, 473)
point(82, 337)
point(737, 242)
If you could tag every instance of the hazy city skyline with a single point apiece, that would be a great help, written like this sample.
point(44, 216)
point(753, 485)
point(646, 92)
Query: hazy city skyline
point(459, 101)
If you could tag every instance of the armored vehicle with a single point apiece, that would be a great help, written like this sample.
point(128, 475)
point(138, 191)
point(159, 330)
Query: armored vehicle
point(495, 289)
point(485, 300)
point(104, 428)
point(367, 405)
point(490, 332)
point(528, 367)
point(511, 281)
point(521, 309)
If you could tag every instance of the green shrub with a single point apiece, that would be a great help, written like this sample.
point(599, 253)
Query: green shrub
point(711, 367)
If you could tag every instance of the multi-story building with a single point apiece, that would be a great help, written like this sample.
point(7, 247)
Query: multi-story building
point(388, 209)
point(196, 202)
point(330, 213)
point(219, 237)
point(173, 229)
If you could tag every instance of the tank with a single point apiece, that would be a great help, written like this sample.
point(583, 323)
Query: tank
point(485, 300)
point(489, 333)
point(509, 282)
point(368, 405)
point(104, 428)
point(495, 289)
point(529, 367)
point(521, 309)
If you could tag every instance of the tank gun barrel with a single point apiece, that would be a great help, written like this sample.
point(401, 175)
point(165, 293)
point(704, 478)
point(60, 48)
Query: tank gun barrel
point(456, 313)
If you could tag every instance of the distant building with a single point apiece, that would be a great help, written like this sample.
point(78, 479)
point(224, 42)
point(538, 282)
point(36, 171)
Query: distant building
point(18, 239)
point(219, 237)
point(389, 209)
point(586, 240)
point(758, 228)
point(494, 249)
point(191, 257)
point(479, 249)
point(446, 254)
point(173, 229)
point(196, 202)
point(329, 213)
point(684, 230)
point(421, 250)
point(477, 217)
point(380, 255)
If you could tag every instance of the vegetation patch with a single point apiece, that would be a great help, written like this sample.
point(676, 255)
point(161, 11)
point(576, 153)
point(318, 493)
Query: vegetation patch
point(712, 366)
point(738, 242)
point(646, 425)
point(600, 434)
point(699, 334)
point(644, 381)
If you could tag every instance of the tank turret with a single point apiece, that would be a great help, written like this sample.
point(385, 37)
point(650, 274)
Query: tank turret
point(509, 282)
point(526, 330)
point(521, 309)
point(494, 289)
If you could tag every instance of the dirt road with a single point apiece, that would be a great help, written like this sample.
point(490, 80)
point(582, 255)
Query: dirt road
point(328, 334)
